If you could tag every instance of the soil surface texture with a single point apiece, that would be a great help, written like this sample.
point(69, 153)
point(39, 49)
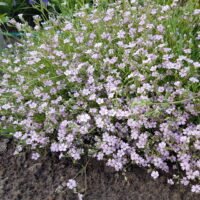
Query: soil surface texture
point(45, 179)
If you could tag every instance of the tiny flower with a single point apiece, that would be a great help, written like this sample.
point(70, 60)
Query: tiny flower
point(67, 40)
point(100, 101)
point(68, 26)
point(121, 34)
point(83, 117)
point(194, 80)
point(35, 156)
point(71, 184)
point(18, 134)
point(196, 12)
point(170, 181)
point(154, 174)
point(195, 189)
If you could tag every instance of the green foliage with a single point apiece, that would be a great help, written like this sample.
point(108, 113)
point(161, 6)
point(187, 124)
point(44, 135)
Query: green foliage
point(11, 8)
point(6, 6)
point(3, 18)
point(181, 29)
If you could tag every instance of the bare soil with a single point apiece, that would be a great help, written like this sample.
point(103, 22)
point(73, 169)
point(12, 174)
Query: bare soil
point(24, 179)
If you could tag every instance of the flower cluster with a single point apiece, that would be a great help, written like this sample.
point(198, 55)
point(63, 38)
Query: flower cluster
point(112, 84)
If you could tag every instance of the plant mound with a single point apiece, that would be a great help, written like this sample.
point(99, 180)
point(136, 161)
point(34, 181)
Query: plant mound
point(120, 84)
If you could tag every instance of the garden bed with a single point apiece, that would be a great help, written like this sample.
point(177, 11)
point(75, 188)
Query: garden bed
point(114, 86)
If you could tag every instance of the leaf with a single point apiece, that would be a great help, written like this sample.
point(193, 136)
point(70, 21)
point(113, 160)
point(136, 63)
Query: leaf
point(3, 4)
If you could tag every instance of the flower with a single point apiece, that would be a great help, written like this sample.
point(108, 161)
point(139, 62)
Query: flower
point(71, 184)
point(35, 156)
point(154, 174)
point(196, 188)
point(34, 1)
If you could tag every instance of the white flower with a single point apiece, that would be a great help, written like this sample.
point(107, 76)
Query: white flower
point(6, 106)
point(83, 117)
point(121, 34)
point(35, 156)
point(18, 134)
point(100, 101)
point(194, 80)
point(67, 40)
point(32, 105)
point(80, 196)
point(196, 188)
point(97, 45)
point(154, 174)
point(170, 181)
point(196, 12)
point(68, 26)
point(71, 184)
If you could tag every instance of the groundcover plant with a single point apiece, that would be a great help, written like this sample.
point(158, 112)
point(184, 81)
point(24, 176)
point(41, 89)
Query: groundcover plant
point(119, 84)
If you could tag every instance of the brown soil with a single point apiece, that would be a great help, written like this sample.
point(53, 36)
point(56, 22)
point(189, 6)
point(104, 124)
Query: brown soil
point(24, 179)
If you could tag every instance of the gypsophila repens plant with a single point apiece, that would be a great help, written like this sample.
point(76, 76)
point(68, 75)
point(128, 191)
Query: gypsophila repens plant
point(119, 84)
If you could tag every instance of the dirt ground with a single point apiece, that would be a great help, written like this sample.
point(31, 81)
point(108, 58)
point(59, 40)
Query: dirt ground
point(24, 179)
